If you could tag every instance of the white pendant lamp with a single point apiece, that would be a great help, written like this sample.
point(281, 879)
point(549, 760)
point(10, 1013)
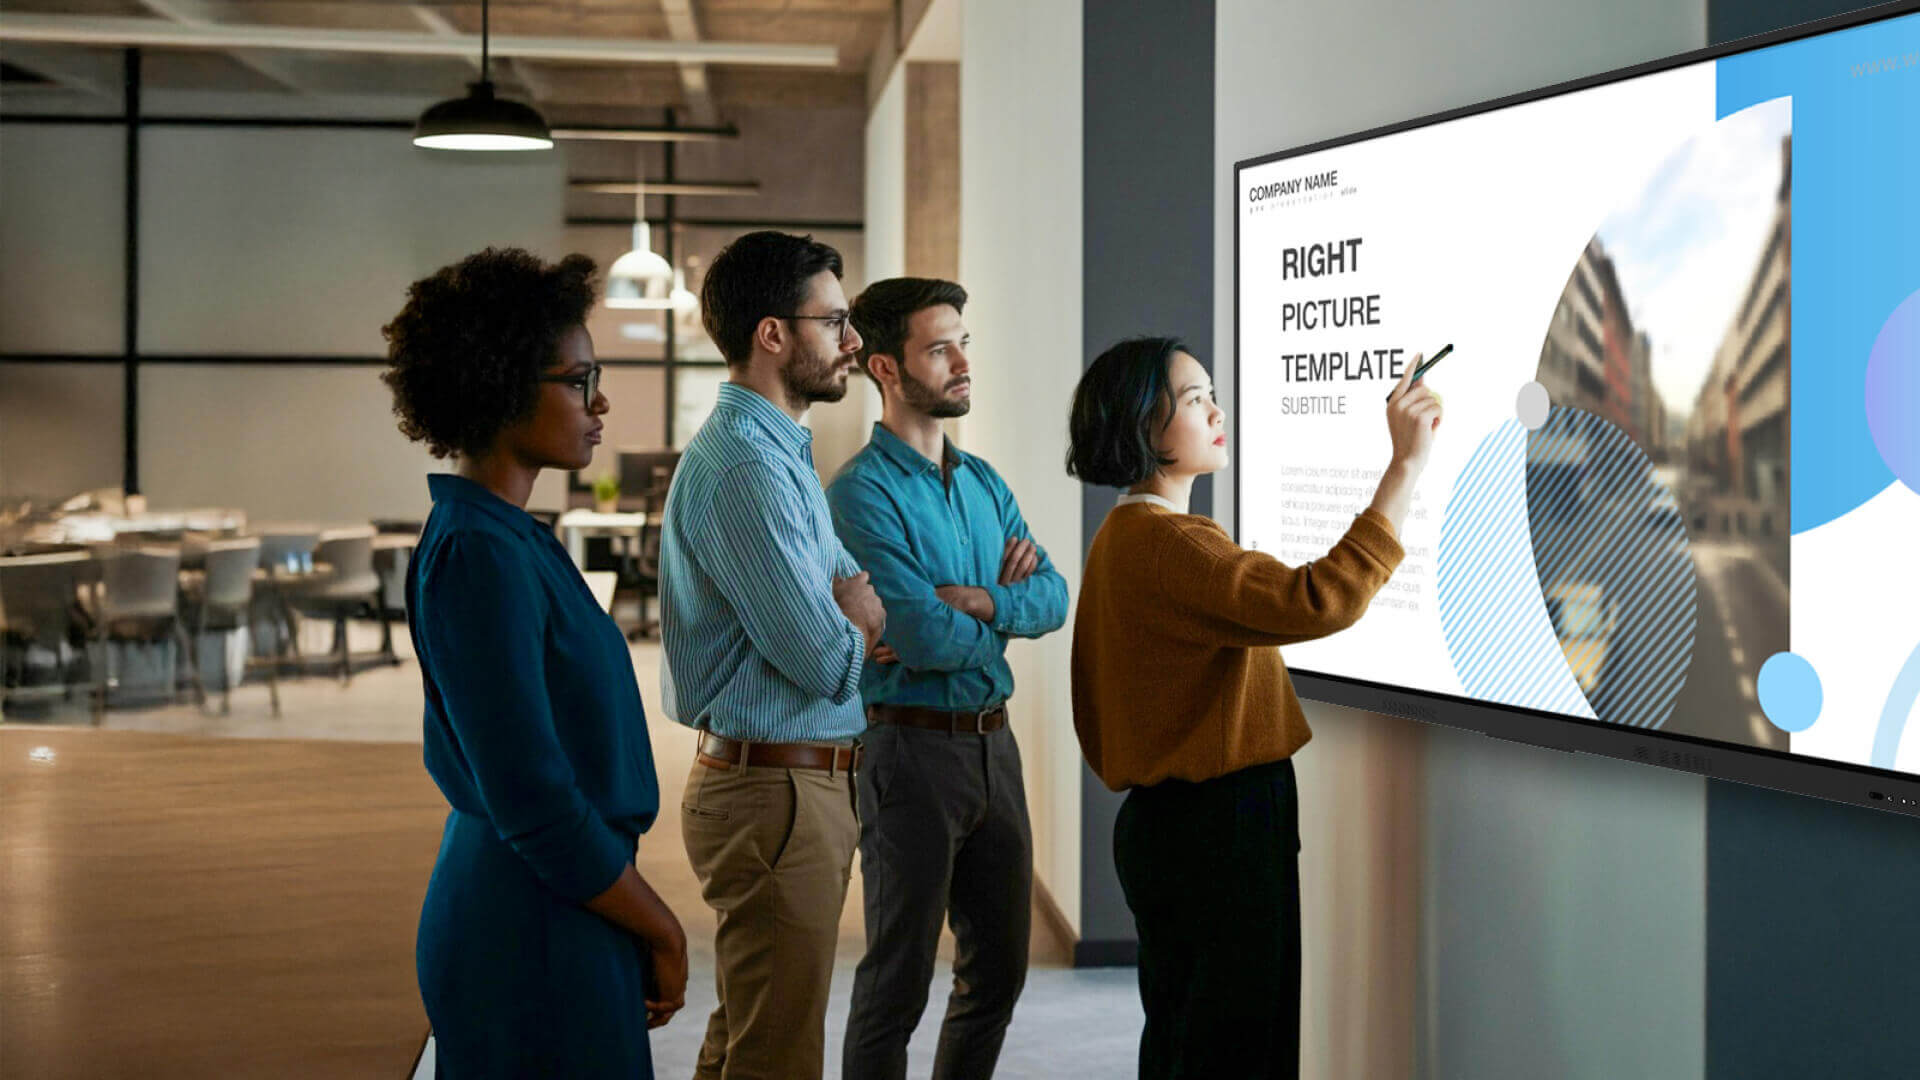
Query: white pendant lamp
point(635, 279)
point(640, 278)
point(682, 300)
point(481, 121)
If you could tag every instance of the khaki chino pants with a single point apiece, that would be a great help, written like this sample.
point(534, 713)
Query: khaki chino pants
point(773, 849)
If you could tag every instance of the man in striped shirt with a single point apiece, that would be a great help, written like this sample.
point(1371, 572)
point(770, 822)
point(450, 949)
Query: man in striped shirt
point(767, 623)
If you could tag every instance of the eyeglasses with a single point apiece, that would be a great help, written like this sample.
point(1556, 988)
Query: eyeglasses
point(837, 325)
point(588, 381)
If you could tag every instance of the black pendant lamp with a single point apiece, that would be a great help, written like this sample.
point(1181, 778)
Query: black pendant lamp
point(481, 121)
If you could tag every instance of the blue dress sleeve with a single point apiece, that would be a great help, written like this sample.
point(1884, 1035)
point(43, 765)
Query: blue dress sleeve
point(485, 638)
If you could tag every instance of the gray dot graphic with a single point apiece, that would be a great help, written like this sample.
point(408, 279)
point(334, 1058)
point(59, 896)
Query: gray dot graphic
point(1531, 406)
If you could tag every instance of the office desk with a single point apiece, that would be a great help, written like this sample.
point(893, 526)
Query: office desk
point(577, 525)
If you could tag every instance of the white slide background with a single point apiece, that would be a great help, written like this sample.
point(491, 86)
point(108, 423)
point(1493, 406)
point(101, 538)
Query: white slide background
point(1470, 230)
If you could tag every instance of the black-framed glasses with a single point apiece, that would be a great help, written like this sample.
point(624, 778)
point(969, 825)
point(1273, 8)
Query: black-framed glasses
point(588, 381)
point(837, 325)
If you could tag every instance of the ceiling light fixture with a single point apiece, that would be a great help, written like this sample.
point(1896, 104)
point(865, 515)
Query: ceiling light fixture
point(681, 299)
point(638, 279)
point(481, 121)
point(641, 133)
point(702, 188)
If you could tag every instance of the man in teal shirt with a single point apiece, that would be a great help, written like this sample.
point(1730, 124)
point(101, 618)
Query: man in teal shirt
point(943, 808)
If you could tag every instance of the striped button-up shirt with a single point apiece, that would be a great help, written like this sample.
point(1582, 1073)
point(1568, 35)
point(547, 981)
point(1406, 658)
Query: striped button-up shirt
point(756, 648)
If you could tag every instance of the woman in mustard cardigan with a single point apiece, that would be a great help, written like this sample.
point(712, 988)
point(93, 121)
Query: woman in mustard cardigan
point(1181, 700)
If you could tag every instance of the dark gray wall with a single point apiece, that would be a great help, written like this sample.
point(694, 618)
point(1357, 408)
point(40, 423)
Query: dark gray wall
point(1148, 217)
point(1730, 19)
point(1813, 945)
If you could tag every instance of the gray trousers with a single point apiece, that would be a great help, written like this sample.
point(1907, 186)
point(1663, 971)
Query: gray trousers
point(943, 835)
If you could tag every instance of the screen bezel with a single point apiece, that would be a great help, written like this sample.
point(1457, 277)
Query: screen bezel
point(1838, 781)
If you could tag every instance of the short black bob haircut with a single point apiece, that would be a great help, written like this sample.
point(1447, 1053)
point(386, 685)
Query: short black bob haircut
point(465, 353)
point(1110, 433)
point(883, 311)
point(757, 275)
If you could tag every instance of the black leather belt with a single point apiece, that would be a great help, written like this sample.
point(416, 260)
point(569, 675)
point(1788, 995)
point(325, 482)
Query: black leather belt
point(968, 722)
point(720, 752)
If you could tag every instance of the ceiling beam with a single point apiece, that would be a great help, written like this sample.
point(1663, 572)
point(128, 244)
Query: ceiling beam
point(438, 25)
point(683, 27)
point(116, 31)
point(537, 85)
point(87, 72)
point(282, 70)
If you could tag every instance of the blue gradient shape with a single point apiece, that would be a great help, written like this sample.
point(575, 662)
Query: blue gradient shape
point(1855, 236)
point(1893, 392)
point(1789, 691)
point(1893, 717)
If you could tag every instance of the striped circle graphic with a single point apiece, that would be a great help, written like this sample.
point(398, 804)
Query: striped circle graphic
point(1495, 624)
point(1614, 570)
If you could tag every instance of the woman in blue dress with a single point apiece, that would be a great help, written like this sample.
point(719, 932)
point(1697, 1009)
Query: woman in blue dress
point(541, 951)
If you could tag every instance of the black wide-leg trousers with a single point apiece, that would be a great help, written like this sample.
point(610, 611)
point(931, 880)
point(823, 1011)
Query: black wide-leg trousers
point(1211, 871)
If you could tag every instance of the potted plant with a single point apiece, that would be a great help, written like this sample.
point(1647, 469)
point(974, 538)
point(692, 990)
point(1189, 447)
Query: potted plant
point(606, 493)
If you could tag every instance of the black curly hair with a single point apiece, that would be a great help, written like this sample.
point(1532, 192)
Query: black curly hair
point(464, 354)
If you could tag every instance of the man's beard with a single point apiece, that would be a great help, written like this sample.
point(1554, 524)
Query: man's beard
point(926, 399)
point(810, 377)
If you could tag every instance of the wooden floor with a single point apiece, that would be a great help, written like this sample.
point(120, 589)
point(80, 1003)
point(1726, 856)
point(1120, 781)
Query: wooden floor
point(189, 893)
point(191, 906)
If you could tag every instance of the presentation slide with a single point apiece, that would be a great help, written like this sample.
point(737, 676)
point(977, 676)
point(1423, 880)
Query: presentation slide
point(1678, 483)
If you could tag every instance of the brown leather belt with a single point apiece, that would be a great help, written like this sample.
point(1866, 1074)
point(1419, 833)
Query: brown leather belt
point(971, 722)
point(720, 752)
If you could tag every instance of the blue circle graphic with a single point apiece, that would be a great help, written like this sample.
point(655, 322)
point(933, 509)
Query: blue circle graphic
point(1893, 392)
point(1789, 691)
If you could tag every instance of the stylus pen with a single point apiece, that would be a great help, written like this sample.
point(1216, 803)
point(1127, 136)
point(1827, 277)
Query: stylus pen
point(1422, 369)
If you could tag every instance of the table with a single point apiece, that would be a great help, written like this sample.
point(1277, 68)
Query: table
point(577, 525)
point(94, 528)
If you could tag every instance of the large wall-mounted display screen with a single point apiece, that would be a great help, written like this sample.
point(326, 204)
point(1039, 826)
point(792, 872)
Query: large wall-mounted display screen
point(1674, 511)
